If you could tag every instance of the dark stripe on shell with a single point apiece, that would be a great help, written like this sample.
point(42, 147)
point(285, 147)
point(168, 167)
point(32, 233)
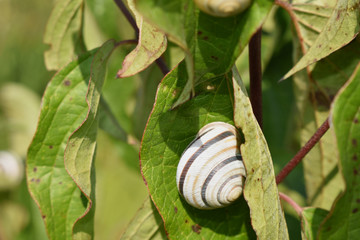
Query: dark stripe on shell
point(197, 138)
point(213, 172)
point(197, 153)
point(224, 183)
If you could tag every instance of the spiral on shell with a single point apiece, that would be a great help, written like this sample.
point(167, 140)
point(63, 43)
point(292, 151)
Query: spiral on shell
point(223, 8)
point(210, 171)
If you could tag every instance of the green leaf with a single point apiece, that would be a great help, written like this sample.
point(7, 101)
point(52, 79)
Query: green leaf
point(342, 222)
point(342, 27)
point(63, 109)
point(152, 44)
point(147, 224)
point(167, 134)
point(260, 190)
point(81, 145)
point(64, 33)
point(212, 44)
point(311, 218)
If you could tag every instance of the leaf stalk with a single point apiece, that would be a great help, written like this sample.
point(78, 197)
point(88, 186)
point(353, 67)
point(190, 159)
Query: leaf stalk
point(303, 151)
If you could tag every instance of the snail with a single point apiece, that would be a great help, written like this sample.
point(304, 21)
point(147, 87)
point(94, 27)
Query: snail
point(223, 8)
point(210, 171)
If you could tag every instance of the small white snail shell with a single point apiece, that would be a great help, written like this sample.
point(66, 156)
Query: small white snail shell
point(223, 8)
point(210, 171)
point(11, 170)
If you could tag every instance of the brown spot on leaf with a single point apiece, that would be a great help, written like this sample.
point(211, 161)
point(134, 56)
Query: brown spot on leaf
point(355, 171)
point(60, 183)
point(199, 33)
point(355, 210)
point(205, 38)
point(252, 170)
point(338, 16)
point(358, 200)
point(215, 58)
point(37, 180)
point(186, 221)
point(319, 46)
point(43, 216)
point(67, 82)
point(354, 157)
point(175, 209)
point(35, 169)
point(196, 228)
point(354, 142)
point(356, 120)
point(32, 180)
point(175, 92)
point(51, 146)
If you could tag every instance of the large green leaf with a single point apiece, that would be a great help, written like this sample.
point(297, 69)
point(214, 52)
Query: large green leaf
point(152, 44)
point(343, 222)
point(212, 44)
point(260, 190)
point(64, 33)
point(167, 134)
point(81, 145)
point(342, 27)
point(63, 110)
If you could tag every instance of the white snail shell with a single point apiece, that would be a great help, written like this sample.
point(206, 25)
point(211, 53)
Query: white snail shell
point(223, 8)
point(210, 171)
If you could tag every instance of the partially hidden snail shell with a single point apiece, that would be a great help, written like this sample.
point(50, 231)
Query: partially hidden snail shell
point(223, 8)
point(210, 171)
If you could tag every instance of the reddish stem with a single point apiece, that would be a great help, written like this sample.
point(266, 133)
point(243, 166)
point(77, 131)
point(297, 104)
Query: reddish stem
point(289, 200)
point(255, 75)
point(303, 151)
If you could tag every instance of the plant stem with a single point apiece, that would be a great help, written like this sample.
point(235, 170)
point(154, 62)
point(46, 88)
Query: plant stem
point(160, 62)
point(128, 15)
point(303, 151)
point(289, 200)
point(255, 75)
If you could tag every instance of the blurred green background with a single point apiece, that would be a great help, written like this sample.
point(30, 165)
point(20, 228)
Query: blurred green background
point(120, 189)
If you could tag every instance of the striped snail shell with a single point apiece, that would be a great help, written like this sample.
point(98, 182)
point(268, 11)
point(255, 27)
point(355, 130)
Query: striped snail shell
point(210, 171)
point(223, 8)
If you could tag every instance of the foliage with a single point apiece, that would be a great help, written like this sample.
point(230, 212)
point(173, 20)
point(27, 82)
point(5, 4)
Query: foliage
point(109, 103)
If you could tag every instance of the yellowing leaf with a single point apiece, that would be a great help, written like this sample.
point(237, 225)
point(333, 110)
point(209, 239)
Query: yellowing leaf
point(260, 190)
point(342, 27)
point(152, 44)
